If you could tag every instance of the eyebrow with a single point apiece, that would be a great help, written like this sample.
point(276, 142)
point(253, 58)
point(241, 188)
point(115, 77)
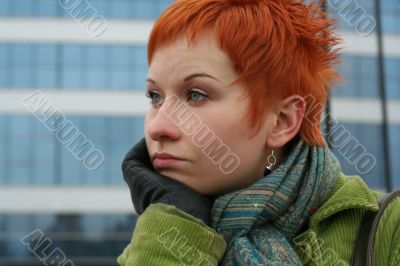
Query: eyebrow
point(192, 76)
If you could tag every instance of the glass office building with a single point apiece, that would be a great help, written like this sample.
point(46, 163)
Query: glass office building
point(97, 79)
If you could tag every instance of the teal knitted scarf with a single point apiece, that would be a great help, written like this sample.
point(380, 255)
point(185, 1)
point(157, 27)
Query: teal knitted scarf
point(259, 222)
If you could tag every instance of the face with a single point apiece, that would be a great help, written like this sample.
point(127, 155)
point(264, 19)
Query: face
point(197, 117)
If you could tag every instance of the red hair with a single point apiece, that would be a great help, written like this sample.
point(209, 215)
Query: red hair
point(278, 48)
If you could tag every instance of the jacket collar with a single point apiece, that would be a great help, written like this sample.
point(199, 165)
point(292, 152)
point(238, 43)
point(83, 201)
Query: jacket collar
point(350, 192)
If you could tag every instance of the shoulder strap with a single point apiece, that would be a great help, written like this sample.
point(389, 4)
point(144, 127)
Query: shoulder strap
point(363, 253)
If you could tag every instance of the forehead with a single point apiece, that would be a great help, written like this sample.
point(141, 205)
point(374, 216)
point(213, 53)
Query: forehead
point(202, 55)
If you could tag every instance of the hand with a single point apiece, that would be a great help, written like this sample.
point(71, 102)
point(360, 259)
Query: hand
point(148, 186)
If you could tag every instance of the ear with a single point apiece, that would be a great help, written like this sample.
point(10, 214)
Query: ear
point(287, 117)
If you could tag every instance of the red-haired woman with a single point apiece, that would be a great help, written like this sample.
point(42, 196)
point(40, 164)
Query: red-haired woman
point(233, 168)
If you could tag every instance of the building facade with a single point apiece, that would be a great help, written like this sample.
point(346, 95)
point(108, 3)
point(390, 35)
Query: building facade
point(87, 59)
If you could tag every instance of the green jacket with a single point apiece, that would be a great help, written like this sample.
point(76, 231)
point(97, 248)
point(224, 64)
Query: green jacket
point(165, 235)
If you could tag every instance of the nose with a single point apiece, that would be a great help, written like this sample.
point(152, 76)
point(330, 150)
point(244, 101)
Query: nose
point(160, 126)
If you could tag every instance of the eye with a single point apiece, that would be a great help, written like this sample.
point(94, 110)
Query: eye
point(154, 97)
point(196, 96)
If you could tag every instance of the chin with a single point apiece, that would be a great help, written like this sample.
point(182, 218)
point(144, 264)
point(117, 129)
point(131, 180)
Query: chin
point(190, 182)
point(210, 192)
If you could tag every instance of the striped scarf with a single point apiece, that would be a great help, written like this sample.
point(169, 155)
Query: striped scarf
point(259, 222)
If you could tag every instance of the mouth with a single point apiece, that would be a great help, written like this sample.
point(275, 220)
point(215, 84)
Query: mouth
point(165, 160)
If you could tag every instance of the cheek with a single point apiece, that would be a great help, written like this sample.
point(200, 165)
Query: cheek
point(147, 119)
point(227, 125)
point(146, 122)
point(231, 131)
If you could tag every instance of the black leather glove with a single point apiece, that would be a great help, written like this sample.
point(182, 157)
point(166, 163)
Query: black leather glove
point(148, 186)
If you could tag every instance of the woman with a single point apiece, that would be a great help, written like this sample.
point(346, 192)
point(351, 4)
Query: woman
point(233, 169)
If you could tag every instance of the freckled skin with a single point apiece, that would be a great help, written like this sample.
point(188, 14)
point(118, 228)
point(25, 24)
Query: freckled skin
point(223, 113)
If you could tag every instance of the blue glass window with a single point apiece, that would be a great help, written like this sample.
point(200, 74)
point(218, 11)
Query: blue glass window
point(395, 154)
point(122, 9)
point(73, 78)
point(4, 52)
point(164, 4)
point(47, 54)
point(96, 78)
point(21, 161)
point(392, 66)
point(123, 56)
point(46, 8)
point(4, 65)
point(4, 150)
point(72, 66)
point(368, 137)
point(140, 55)
point(389, 22)
point(22, 53)
point(151, 9)
point(389, 4)
point(4, 77)
point(393, 88)
point(98, 236)
point(5, 8)
point(140, 79)
point(121, 79)
point(96, 56)
point(72, 55)
point(23, 7)
point(102, 7)
point(96, 132)
point(392, 78)
point(73, 172)
point(119, 9)
point(144, 9)
point(46, 77)
point(368, 86)
point(72, 169)
point(22, 76)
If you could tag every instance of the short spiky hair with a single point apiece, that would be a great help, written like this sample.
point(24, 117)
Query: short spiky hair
point(277, 47)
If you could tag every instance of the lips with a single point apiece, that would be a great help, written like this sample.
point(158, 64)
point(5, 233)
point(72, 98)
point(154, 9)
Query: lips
point(164, 155)
point(166, 160)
